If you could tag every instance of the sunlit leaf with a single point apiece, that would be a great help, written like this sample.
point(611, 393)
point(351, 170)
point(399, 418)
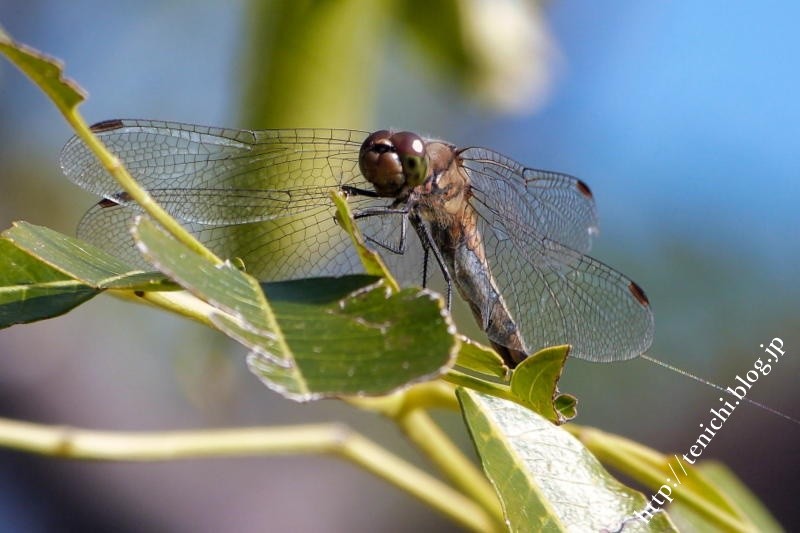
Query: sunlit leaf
point(31, 290)
point(373, 264)
point(46, 72)
point(81, 261)
point(535, 381)
point(481, 359)
point(44, 274)
point(354, 336)
point(545, 478)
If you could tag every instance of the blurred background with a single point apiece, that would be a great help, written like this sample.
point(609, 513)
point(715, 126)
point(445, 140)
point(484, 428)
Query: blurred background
point(682, 117)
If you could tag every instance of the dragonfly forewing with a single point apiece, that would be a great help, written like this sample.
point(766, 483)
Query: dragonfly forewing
point(269, 169)
point(262, 196)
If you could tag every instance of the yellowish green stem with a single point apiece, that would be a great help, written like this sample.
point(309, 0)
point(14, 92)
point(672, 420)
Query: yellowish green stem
point(407, 409)
point(113, 165)
point(494, 389)
point(338, 440)
point(179, 302)
point(450, 460)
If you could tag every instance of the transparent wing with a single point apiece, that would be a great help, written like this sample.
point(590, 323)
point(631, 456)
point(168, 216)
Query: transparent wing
point(221, 176)
point(536, 227)
point(298, 246)
point(262, 196)
point(559, 206)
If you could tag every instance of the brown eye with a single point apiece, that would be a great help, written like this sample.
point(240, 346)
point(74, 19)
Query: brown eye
point(380, 163)
point(411, 151)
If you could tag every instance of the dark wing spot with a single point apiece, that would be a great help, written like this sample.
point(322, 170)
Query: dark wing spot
point(106, 125)
point(106, 202)
point(116, 199)
point(584, 189)
point(639, 294)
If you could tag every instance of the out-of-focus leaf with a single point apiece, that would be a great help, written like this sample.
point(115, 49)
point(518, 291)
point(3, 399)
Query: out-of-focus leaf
point(46, 72)
point(355, 336)
point(545, 478)
point(312, 63)
point(438, 28)
point(499, 51)
point(710, 506)
point(535, 381)
point(724, 478)
point(738, 496)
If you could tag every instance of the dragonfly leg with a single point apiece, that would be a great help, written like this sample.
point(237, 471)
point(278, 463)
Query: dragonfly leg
point(349, 190)
point(425, 258)
point(380, 211)
point(429, 245)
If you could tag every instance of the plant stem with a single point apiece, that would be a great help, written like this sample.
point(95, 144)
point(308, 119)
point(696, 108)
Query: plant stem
point(113, 165)
point(335, 439)
point(423, 432)
point(494, 389)
point(179, 302)
point(407, 410)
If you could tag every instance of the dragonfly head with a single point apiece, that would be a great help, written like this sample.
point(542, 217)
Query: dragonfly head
point(393, 162)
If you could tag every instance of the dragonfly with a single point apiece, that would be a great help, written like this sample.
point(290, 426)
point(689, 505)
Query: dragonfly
point(512, 240)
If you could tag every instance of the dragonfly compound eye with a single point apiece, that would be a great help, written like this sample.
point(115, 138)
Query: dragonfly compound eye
point(380, 164)
point(411, 149)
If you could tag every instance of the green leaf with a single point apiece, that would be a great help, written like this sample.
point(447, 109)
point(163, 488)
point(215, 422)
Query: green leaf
point(82, 262)
point(316, 291)
point(693, 490)
point(353, 336)
point(46, 72)
point(437, 27)
point(373, 264)
point(31, 290)
point(719, 488)
point(738, 493)
point(545, 478)
point(44, 274)
point(535, 382)
point(481, 359)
